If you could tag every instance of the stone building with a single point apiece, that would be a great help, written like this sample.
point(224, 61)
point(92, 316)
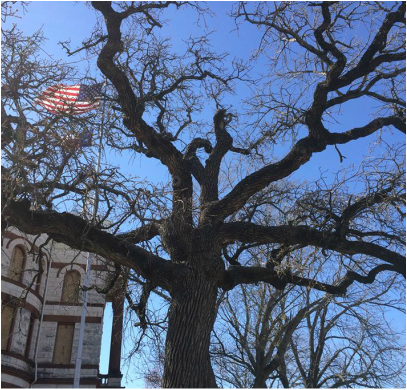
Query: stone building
point(41, 313)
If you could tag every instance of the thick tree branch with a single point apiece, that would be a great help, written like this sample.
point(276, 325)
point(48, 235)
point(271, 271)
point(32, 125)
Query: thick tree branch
point(298, 156)
point(269, 22)
point(365, 90)
point(133, 109)
point(236, 275)
point(329, 47)
point(385, 195)
point(209, 190)
point(144, 233)
point(303, 235)
point(145, 7)
point(131, 105)
point(368, 62)
point(370, 128)
point(257, 181)
point(197, 143)
point(78, 234)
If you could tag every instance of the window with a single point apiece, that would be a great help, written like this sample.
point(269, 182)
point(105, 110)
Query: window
point(29, 337)
point(16, 264)
point(7, 316)
point(70, 289)
point(63, 344)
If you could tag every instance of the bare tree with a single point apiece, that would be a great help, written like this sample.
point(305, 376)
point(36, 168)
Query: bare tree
point(173, 236)
point(300, 338)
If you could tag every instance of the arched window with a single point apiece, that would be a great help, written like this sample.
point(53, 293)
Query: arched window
point(7, 317)
point(15, 271)
point(70, 289)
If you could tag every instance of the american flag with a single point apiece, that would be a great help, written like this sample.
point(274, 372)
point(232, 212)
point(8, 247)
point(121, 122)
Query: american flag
point(70, 99)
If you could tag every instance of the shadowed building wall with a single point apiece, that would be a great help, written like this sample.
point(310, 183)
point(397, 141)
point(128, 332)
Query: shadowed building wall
point(40, 351)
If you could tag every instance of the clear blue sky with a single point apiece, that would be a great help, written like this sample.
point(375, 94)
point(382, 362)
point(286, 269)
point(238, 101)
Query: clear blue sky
point(65, 20)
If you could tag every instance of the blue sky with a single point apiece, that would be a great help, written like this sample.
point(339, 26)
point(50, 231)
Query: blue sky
point(65, 20)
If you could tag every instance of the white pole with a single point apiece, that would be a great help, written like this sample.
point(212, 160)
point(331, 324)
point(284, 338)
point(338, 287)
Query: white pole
point(78, 363)
point(44, 299)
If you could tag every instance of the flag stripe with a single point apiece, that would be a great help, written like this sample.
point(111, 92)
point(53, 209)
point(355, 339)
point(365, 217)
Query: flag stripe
point(62, 94)
point(59, 112)
point(66, 109)
point(70, 99)
point(53, 101)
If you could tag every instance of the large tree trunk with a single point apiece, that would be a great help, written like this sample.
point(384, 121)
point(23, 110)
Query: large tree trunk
point(260, 382)
point(191, 318)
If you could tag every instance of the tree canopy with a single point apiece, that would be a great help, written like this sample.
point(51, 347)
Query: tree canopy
point(332, 75)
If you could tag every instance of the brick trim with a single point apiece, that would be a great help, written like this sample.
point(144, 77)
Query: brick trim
point(22, 285)
point(58, 303)
point(67, 381)
point(71, 319)
point(16, 355)
point(12, 236)
point(53, 365)
point(6, 385)
point(17, 373)
point(6, 298)
point(94, 267)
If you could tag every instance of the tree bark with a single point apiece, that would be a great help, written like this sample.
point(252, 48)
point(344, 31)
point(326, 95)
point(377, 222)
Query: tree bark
point(191, 318)
point(260, 382)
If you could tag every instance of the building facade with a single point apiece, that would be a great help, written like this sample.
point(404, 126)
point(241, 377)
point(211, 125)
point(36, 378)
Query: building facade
point(41, 314)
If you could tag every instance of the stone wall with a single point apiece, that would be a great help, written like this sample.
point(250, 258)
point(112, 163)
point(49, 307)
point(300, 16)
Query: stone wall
point(18, 360)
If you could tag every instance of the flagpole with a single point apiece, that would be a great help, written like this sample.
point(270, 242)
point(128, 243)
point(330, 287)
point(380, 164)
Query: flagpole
point(95, 204)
